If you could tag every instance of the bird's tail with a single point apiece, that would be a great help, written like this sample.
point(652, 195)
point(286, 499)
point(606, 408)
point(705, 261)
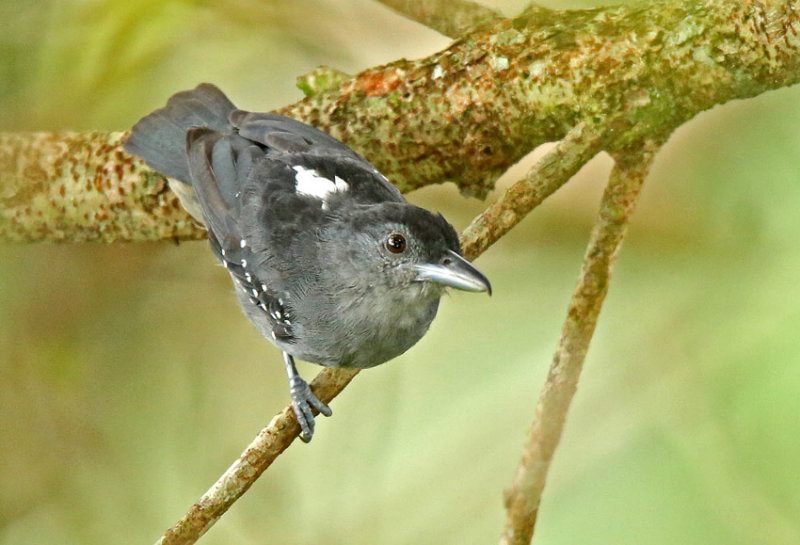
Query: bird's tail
point(160, 137)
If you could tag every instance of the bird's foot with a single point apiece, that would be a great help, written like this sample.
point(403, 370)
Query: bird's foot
point(304, 402)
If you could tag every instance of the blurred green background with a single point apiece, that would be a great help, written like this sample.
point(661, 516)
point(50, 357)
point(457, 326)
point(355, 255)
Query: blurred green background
point(129, 379)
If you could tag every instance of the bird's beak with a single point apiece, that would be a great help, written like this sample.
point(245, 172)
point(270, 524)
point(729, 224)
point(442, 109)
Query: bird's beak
point(454, 271)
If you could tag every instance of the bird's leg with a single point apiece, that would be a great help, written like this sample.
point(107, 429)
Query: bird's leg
point(303, 400)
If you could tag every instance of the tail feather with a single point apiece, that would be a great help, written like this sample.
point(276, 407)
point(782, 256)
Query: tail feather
point(160, 137)
point(220, 216)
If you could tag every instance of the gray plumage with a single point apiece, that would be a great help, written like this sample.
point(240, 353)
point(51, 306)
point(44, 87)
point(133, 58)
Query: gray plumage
point(330, 263)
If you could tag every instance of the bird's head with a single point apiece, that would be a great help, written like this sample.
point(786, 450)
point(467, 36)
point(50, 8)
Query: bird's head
point(398, 245)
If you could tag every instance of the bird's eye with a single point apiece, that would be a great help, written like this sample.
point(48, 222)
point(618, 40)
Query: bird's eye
point(396, 243)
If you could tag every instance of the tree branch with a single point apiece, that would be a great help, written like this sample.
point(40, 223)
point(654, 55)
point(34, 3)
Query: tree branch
point(523, 498)
point(80, 187)
point(464, 114)
point(257, 457)
point(449, 17)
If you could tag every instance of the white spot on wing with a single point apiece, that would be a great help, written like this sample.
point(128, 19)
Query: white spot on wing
point(308, 182)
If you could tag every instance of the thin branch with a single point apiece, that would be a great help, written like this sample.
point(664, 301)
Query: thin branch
point(547, 175)
point(449, 17)
point(257, 457)
point(523, 498)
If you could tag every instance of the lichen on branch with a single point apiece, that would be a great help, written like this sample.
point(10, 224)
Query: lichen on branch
point(78, 187)
point(464, 114)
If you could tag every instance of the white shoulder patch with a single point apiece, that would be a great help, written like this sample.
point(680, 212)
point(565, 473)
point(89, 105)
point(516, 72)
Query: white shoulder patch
point(308, 182)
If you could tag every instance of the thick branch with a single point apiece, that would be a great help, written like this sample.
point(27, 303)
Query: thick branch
point(79, 187)
point(619, 200)
point(449, 17)
point(464, 114)
point(469, 112)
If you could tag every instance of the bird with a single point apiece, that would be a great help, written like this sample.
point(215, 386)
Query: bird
point(328, 260)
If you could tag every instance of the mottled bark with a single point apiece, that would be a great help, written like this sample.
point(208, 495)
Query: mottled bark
point(464, 114)
point(78, 187)
point(469, 112)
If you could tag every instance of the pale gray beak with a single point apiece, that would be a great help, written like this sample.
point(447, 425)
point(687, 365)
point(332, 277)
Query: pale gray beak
point(454, 271)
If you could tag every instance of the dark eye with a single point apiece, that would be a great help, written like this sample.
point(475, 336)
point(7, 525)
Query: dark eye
point(396, 243)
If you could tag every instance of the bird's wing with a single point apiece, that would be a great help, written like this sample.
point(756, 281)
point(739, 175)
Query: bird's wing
point(214, 178)
point(217, 164)
point(275, 305)
point(265, 189)
point(274, 178)
point(316, 157)
point(286, 134)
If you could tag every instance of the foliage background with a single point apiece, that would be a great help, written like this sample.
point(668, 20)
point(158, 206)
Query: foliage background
point(129, 380)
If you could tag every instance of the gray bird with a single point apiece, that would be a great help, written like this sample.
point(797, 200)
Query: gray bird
point(329, 261)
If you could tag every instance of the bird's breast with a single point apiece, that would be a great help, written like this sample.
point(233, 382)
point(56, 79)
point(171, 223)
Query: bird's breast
point(369, 329)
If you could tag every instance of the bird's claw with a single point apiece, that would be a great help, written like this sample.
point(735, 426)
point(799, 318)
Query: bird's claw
point(303, 403)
